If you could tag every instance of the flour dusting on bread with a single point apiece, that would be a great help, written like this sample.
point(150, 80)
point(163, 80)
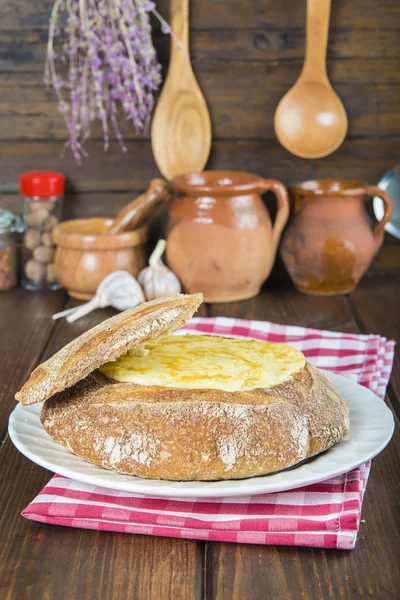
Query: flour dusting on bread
point(138, 447)
point(186, 434)
point(276, 410)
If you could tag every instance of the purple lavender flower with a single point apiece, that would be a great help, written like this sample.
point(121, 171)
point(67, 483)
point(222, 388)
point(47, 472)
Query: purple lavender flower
point(107, 59)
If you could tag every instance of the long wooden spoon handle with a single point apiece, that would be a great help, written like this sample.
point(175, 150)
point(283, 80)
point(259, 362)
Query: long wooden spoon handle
point(135, 213)
point(318, 13)
point(179, 19)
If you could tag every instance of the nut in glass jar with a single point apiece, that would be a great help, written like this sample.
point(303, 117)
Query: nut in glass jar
point(9, 224)
point(42, 192)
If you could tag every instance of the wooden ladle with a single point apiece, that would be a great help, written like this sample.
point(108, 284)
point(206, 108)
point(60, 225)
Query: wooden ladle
point(181, 129)
point(310, 120)
point(136, 212)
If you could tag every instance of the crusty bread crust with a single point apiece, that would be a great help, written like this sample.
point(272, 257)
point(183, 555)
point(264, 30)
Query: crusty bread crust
point(197, 434)
point(126, 332)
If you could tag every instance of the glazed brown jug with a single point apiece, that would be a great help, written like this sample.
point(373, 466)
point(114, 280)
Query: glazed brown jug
point(220, 238)
point(330, 242)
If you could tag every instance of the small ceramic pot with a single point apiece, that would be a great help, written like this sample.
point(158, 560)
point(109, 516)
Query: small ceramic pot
point(220, 238)
point(330, 242)
point(86, 254)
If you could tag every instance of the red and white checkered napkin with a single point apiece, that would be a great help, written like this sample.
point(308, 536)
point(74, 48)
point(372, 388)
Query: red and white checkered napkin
point(325, 515)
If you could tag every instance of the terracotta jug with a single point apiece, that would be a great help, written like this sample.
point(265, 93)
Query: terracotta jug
point(220, 238)
point(330, 242)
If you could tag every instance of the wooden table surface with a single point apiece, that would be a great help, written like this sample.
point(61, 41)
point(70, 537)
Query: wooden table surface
point(48, 562)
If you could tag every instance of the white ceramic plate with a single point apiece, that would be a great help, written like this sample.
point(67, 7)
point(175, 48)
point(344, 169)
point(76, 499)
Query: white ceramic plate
point(371, 427)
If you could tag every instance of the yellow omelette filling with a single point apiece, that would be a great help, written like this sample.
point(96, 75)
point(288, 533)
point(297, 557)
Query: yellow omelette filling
point(199, 361)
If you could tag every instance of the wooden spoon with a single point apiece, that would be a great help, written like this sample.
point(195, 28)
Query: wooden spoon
point(181, 129)
point(135, 213)
point(310, 120)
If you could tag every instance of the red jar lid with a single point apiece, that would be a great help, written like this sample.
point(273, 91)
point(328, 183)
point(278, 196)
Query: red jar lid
point(42, 184)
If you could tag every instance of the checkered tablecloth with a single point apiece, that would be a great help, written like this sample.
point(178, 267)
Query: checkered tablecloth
point(323, 515)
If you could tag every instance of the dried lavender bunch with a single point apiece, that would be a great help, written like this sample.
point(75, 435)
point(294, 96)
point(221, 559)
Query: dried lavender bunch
point(108, 59)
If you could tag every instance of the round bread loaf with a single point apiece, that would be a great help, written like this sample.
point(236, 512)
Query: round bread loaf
point(254, 408)
point(197, 434)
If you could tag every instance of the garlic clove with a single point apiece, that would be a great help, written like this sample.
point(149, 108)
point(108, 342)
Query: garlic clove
point(132, 295)
point(121, 290)
point(156, 279)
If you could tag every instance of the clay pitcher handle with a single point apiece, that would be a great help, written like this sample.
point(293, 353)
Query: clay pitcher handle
point(282, 198)
point(136, 212)
point(373, 190)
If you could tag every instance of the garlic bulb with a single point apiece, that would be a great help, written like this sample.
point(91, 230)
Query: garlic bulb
point(156, 279)
point(119, 289)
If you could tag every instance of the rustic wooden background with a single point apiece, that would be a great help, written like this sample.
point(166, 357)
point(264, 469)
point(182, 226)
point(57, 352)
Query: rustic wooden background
point(246, 54)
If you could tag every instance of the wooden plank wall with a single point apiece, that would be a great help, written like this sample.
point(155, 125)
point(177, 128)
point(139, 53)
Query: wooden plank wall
point(246, 54)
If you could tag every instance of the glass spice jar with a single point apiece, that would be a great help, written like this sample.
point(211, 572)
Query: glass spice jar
point(42, 193)
point(8, 250)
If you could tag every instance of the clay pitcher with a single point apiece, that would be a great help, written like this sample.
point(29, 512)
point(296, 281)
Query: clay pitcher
point(220, 238)
point(330, 242)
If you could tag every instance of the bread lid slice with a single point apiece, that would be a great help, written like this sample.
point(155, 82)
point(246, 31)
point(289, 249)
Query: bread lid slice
point(126, 332)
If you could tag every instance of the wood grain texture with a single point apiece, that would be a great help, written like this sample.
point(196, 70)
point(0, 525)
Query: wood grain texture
point(388, 258)
point(291, 308)
point(350, 59)
point(59, 559)
point(20, 353)
point(43, 561)
point(283, 573)
point(375, 306)
point(181, 126)
point(256, 572)
point(246, 54)
point(23, 50)
point(235, 14)
point(361, 159)
point(242, 99)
